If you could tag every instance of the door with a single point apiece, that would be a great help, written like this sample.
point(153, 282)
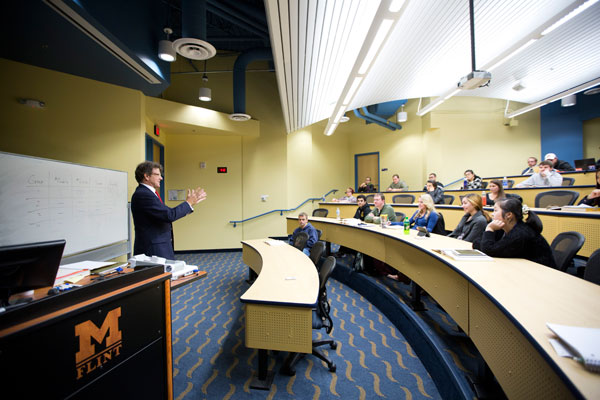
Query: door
point(366, 164)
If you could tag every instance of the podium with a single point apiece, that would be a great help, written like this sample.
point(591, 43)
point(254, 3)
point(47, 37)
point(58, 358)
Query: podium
point(109, 339)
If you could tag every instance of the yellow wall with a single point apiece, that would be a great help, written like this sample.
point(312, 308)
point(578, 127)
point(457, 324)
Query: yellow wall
point(104, 125)
point(591, 138)
point(84, 121)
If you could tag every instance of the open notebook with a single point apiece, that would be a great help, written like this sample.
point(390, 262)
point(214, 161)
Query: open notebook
point(581, 344)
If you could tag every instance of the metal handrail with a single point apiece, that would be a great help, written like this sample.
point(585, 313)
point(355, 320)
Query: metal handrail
point(282, 210)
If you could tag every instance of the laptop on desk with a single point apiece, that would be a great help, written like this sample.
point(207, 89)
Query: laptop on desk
point(586, 164)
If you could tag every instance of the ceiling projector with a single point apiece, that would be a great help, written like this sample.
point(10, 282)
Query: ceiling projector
point(474, 80)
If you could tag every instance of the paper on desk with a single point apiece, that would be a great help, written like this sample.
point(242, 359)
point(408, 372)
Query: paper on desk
point(561, 350)
point(273, 242)
point(70, 275)
point(86, 265)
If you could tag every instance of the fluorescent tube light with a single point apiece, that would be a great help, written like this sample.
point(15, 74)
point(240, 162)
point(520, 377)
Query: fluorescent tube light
point(339, 114)
point(569, 16)
point(511, 55)
point(384, 28)
point(355, 84)
point(558, 96)
point(437, 102)
point(329, 131)
point(396, 5)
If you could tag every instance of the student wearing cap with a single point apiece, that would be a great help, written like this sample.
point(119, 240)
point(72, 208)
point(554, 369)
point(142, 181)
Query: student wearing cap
point(558, 164)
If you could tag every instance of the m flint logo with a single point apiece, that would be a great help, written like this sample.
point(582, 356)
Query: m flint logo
point(108, 338)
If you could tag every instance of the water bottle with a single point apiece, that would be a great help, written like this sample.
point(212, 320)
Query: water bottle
point(337, 213)
point(505, 183)
point(406, 226)
point(483, 198)
point(465, 183)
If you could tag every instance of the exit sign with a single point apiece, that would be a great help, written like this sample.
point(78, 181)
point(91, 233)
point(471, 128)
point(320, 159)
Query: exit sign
point(221, 170)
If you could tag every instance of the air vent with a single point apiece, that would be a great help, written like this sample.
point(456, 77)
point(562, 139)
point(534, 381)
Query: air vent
point(239, 117)
point(592, 91)
point(194, 49)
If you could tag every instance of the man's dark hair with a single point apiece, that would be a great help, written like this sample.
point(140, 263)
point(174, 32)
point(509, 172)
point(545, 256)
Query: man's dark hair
point(361, 196)
point(433, 173)
point(434, 183)
point(146, 168)
point(548, 163)
point(470, 170)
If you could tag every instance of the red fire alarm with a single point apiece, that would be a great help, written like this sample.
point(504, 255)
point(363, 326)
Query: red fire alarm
point(156, 130)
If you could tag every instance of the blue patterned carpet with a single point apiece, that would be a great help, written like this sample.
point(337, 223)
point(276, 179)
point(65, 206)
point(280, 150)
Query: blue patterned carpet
point(211, 361)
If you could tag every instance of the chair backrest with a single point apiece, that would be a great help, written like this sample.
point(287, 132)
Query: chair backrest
point(484, 184)
point(564, 247)
point(400, 216)
point(440, 226)
point(462, 196)
point(403, 199)
point(316, 252)
point(370, 198)
point(449, 199)
point(319, 233)
point(511, 182)
point(323, 304)
point(320, 212)
point(514, 196)
point(592, 268)
point(300, 241)
point(568, 181)
point(556, 198)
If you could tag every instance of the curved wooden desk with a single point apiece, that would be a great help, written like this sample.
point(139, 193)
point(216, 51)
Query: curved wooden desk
point(279, 303)
point(503, 305)
point(555, 222)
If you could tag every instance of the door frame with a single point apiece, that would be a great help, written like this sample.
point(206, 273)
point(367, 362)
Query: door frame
point(356, 168)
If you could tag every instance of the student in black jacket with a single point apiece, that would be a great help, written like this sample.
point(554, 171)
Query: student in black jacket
point(559, 165)
point(436, 192)
point(507, 235)
point(474, 222)
point(363, 208)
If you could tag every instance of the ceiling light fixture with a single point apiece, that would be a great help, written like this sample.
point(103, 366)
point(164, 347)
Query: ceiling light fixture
point(388, 14)
point(437, 102)
point(568, 101)
point(402, 116)
point(205, 92)
point(558, 96)
point(166, 52)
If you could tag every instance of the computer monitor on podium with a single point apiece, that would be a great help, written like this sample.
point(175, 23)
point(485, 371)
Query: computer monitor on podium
point(28, 266)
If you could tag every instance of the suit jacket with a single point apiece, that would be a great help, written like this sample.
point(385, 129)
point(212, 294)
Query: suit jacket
point(153, 223)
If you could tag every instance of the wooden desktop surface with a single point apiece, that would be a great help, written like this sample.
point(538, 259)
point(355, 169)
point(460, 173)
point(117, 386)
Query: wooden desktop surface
point(278, 305)
point(503, 305)
point(555, 222)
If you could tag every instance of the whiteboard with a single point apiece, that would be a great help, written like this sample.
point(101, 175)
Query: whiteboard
point(44, 199)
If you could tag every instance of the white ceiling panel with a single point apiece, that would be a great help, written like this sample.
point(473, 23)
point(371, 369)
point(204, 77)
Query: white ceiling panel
point(427, 51)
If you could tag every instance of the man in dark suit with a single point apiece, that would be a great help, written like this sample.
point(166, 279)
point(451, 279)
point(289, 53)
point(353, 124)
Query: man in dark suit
point(152, 219)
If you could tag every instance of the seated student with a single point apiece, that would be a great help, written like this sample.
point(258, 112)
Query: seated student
point(366, 186)
point(363, 208)
point(433, 177)
point(474, 222)
point(507, 235)
point(380, 208)
point(426, 215)
point(531, 163)
point(557, 164)
point(545, 178)
point(473, 181)
point(496, 192)
point(593, 199)
point(305, 226)
point(397, 185)
point(436, 192)
point(348, 198)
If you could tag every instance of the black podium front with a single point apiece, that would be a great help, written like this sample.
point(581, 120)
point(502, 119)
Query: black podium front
point(110, 339)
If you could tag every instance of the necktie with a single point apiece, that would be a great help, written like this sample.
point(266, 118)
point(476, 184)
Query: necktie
point(158, 195)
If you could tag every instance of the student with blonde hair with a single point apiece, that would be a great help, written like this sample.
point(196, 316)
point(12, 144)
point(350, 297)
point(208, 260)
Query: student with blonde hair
point(473, 223)
point(426, 215)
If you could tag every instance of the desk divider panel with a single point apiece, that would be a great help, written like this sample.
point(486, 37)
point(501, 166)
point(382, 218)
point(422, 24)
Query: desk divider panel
point(443, 283)
point(279, 328)
point(372, 245)
point(511, 357)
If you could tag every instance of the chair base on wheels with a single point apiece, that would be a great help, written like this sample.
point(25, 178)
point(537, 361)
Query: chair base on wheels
point(289, 366)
